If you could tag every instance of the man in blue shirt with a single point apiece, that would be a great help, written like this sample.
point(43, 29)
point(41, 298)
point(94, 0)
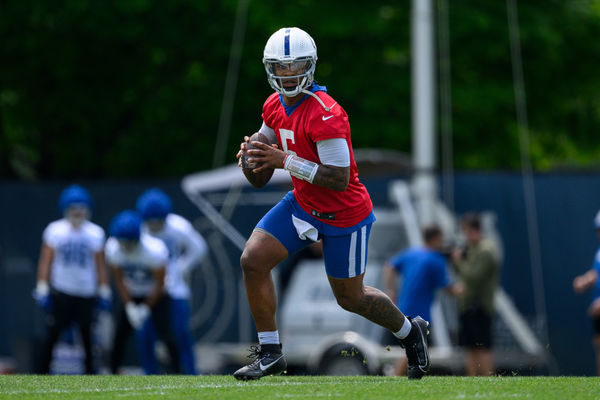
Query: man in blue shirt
point(423, 270)
point(587, 281)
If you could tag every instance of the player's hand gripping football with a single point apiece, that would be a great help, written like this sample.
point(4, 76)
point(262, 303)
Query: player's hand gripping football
point(266, 156)
point(259, 156)
point(242, 151)
point(255, 171)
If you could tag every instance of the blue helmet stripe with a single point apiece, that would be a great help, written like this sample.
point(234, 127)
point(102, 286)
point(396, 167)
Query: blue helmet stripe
point(286, 43)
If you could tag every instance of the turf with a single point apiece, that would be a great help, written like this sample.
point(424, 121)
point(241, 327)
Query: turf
point(295, 387)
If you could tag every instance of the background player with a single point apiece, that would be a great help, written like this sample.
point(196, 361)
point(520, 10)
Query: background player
point(71, 273)
point(587, 281)
point(327, 202)
point(423, 270)
point(138, 262)
point(186, 249)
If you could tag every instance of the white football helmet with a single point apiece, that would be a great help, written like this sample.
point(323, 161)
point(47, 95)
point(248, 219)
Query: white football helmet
point(294, 50)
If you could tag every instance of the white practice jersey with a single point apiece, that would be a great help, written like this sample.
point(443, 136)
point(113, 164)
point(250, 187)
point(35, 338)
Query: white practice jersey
point(186, 249)
point(74, 269)
point(138, 265)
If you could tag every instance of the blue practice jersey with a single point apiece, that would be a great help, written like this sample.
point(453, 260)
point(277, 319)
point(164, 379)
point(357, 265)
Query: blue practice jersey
point(423, 272)
point(596, 266)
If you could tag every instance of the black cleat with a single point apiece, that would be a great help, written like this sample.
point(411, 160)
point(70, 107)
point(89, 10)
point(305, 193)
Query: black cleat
point(415, 345)
point(269, 360)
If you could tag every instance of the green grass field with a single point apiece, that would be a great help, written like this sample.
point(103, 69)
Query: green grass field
point(295, 387)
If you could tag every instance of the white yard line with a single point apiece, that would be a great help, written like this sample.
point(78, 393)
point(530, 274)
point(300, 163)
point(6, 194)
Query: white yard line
point(149, 388)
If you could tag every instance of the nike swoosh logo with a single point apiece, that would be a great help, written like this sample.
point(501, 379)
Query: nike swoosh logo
point(266, 367)
point(325, 119)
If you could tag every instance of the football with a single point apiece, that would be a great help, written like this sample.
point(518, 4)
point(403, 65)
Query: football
point(258, 137)
point(259, 179)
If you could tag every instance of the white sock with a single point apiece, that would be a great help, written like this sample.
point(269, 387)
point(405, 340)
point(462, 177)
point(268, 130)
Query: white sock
point(268, 337)
point(405, 330)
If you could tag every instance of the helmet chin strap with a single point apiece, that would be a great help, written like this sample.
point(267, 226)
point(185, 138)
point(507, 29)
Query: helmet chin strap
point(282, 91)
point(318, 99)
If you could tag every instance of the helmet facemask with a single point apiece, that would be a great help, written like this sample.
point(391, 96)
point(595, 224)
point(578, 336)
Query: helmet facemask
point(77, 214)
point(300, 69)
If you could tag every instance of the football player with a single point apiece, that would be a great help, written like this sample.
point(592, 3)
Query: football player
point(138, 262)
point(71, 273)
point(186, 249)
point(310, 136)
point(589, 280)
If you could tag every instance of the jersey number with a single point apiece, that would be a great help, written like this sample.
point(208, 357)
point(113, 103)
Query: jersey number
point(284, 135)
point(74, 254)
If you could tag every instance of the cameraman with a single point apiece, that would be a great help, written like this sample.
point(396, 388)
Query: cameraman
point(478, 266)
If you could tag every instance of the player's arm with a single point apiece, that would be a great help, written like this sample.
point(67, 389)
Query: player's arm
point(333, 172)
point(104, 292)
point(101, 269)
point(120, 285)
point(335, 178)
point(585, 281)
point(195, 250)
point(42, 288)
point(44, 263)
point(159, 284)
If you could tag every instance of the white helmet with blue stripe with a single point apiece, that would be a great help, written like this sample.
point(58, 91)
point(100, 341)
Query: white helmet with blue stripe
point(294, 50)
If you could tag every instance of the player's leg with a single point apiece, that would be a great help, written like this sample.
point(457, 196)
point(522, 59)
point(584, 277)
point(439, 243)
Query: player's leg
point(161, 317)
point(122, 331)
point(261, 254)
point(596, 343)
point(180, 318)
point(273, 239)
point(84, 317)
point(345, 263)
point(145, 339)
point(352, 295)
point(377, 307)
point(56, 320)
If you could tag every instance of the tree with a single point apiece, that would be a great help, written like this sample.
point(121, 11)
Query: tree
point(100, 89)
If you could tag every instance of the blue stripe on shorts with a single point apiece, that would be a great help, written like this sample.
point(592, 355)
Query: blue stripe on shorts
point(344, 249)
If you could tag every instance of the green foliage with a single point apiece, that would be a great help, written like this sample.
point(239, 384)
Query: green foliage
point(134, 88)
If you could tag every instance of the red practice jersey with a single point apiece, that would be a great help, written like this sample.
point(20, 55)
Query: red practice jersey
point(298, 134)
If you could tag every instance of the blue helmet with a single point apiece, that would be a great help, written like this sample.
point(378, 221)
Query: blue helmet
point(154, 204)
point(126, 225)
point(74, 194)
